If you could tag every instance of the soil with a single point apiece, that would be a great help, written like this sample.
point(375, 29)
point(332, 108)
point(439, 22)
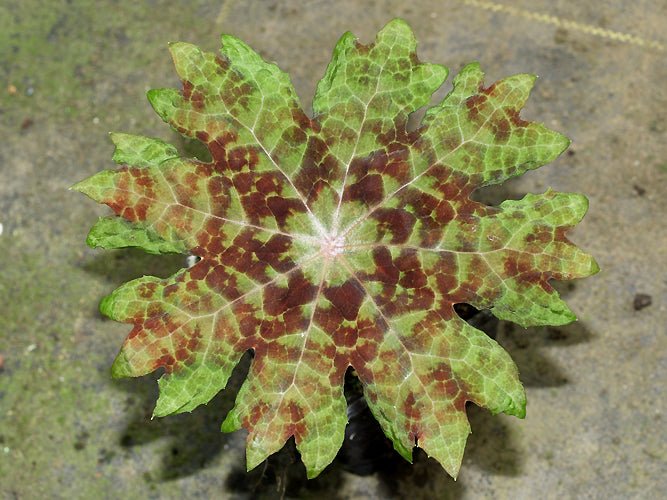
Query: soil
point(73, 71)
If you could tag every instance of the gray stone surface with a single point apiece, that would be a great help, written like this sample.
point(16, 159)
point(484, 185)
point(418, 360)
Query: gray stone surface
point(72, 71)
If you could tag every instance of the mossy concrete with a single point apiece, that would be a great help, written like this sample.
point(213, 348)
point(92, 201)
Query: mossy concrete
point(73, 71)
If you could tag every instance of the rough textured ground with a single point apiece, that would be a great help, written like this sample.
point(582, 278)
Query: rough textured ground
point(72, 71)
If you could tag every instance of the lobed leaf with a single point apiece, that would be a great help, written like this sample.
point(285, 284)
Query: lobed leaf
point(337, 241)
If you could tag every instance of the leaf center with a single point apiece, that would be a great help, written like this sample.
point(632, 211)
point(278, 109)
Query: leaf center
point(333, 245)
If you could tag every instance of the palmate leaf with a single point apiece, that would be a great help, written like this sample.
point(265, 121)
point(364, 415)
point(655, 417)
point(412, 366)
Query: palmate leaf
point(342, 240)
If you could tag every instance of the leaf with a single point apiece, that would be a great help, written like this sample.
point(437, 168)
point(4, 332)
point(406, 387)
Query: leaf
point(342, 240)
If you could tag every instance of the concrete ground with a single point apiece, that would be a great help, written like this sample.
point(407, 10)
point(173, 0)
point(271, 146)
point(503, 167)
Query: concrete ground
point(70, 72)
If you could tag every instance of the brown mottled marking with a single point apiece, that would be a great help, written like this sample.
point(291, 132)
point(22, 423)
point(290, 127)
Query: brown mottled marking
point(167, 361)
point(316, 190)
point(386, 271)
point(276, 245)
point(128, 213)
point(530, 276)
point(411, 410)
point(296, 319)
point(246, 316)
point(182, 354)
point(474, 104)
point(215, 245)
point(242, 157)
point(141, 209)
point(491, 91)
point(560, 234)
point(274, 253)
point(251, 418)
point(345, 336)
point(302, 120)
point(397, 168)
point(135, 331)
point(369, 190)
point(243, 182)
point(218, 148)
point(510, 266)
point(329, 320)
point(284, 208)
point(407, 260)
point(223, 66)
point(170, 289)
point(254, 205)
point(359, 166)
point(318, 167)
point(442, 372)
point(203, 136)
point(213, 227)
point(237, 258)
point(188, 87)
point(299, 291)
point(217, 188)
point(452, 388)
point(513, 116)
point(462, 398)
point(395, 221)
point(268, 183)
point(369, 338)
point(271, 329)
point(346, 298)
point(218, 278)
point(414, 279)
point(299, 431)
point(500, 128)
point(197, 100)
point(294, 136)
point(280, 353)
point(363, 49)
point(445, 271)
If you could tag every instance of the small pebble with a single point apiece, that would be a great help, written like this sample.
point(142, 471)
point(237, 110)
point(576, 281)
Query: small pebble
point(641, 301)
point(639, 190)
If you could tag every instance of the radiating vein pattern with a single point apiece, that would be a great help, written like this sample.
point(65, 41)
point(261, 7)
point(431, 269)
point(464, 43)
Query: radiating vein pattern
point(335, 241)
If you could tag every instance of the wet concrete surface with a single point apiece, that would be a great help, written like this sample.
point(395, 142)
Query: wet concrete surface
point(73, 71)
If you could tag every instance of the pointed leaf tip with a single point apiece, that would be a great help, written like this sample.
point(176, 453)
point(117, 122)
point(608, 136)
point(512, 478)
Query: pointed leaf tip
point(121, 367)
point(106, 305)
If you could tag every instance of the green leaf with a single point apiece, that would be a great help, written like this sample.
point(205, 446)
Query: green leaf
point(341, 240)
point(116, 232)
point(141, 151)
